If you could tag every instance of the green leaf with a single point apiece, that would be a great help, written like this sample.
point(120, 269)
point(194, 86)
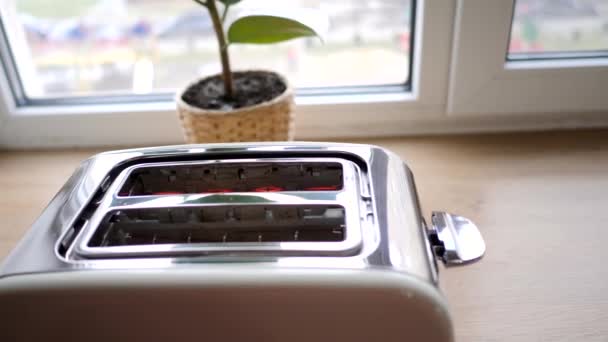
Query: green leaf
point(267, 29)
point(229, 2)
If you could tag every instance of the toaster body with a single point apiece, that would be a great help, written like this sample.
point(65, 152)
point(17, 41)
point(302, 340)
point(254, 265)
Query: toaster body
point(232, 242)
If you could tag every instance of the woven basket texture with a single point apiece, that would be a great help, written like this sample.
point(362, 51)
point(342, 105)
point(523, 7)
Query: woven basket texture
point(268, 121)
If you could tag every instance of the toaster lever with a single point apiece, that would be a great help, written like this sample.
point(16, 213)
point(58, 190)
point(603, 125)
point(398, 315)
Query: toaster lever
point(455, 239)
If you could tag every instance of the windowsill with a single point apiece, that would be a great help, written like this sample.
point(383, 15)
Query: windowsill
point(168, 106)
point(554, 182)
point(157, 123)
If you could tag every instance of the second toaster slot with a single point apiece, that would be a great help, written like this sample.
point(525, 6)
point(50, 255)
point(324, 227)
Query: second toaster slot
point(221, 224)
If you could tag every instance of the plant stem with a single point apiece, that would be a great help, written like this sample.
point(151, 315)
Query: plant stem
point(225, 13)
point(221, 40)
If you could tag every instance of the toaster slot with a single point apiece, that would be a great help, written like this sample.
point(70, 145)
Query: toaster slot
point(227, 176)
point(221, 225)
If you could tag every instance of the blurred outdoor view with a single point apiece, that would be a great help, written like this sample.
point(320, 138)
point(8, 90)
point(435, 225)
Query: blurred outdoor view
point(542, 26)
point(90, 47)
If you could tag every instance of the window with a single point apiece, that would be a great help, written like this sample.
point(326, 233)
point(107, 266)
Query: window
point(102, 72)
point(349, 105)
point(559, 29)
point(524, 56)
point(119, 47)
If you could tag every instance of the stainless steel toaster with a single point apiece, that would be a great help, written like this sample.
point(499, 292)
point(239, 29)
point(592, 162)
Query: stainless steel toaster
point(235, 242)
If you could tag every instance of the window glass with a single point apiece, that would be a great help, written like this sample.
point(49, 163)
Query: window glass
point(560, 28)
point(91, 47)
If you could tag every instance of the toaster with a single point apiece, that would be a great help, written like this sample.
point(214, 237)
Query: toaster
point(235, 242)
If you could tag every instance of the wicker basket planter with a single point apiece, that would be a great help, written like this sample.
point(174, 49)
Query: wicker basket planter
point(268, 121)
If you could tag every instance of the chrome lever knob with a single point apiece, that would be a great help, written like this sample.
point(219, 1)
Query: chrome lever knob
point(456, 240)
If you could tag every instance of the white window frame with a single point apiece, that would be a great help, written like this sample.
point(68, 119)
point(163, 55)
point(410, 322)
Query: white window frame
point(460, 83)
point(317, 116)
point(484, 83)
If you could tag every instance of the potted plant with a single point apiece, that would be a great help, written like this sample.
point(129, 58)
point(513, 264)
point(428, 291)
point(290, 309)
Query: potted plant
point(251, 105)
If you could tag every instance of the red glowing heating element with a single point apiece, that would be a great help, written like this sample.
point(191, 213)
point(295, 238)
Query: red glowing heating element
point(218, 191)
point(269, 188)
point(323, 188)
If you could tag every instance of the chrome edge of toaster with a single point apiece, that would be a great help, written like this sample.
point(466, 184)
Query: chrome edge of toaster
point(369, 219)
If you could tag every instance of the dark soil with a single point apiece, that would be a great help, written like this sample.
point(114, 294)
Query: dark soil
point(251, 88)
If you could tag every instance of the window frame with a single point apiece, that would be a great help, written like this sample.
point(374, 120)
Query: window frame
point(461, 83)
point(497, 85)
point(156, 122)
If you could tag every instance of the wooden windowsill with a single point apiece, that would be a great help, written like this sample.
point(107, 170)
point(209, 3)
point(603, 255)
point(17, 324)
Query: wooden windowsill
point(540, 199)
